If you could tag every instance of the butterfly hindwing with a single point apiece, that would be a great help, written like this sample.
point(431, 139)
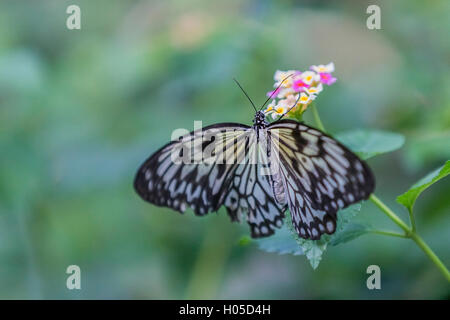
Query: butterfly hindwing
point(319, 174)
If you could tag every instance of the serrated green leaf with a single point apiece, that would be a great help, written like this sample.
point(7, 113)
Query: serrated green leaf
point(369, 143)
point(347, 214)
point(313, 250)
point(409, 197)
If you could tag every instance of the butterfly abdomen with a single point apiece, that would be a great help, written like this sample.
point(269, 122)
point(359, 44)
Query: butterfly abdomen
point(278, 189)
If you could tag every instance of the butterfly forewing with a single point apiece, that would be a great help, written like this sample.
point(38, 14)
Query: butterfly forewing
point(182, 175)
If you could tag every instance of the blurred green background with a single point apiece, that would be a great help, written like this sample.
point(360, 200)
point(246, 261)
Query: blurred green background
point(81, 109)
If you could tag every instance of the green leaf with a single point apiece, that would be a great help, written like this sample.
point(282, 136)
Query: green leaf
point(409, 197)
point(286, 239)
point(350, 231)
point(347, 230)
point(369, 143)
point(281, 242)
point(313, 250)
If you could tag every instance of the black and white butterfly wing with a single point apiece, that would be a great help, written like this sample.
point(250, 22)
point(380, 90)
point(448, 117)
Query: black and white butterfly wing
point(209, 168)
point(318, 175)
point(250, 192)
point(186, 173)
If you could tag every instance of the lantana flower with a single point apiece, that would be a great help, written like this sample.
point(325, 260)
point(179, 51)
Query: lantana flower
point(310, 77)
point(295, 90)
point(306, 99)
point(329, 68)
point(281, 93)
point(314, 90)
point(284, 75)
point(273, 93)
point(324, 71)
point(327, 78)
point(299, 85)
point(276, 110)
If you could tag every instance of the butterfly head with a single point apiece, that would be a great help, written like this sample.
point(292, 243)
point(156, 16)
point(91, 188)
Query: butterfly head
point(260, 120)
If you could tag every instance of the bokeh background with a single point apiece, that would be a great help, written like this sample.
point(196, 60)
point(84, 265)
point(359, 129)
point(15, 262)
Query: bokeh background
point(80, 110)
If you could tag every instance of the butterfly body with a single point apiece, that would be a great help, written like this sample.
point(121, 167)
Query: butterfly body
point(257, 173)
point(260, 122)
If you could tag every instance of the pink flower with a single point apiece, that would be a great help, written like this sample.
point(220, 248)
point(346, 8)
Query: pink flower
point(299, 85)
point(327, 78)
point(273, 93)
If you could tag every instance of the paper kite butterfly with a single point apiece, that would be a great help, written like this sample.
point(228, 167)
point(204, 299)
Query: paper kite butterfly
point(257, 172)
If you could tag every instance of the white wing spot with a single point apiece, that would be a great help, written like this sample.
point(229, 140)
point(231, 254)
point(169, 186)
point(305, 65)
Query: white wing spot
point(330, 226)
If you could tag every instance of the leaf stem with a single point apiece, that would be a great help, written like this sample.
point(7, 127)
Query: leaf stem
point(409, 232)
point(390, 213)
point(389, 233)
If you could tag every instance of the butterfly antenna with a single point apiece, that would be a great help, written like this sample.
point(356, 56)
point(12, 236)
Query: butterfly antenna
point(290, 108)
point(245, 94)
point(273, 92)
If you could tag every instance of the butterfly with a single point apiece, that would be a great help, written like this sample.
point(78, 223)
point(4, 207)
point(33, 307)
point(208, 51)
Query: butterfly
point(258, 172)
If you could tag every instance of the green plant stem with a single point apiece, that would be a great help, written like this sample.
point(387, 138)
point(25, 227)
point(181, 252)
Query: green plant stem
point(433, 257)
point(389, 213)
point(409, 232)
point(389, 233)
